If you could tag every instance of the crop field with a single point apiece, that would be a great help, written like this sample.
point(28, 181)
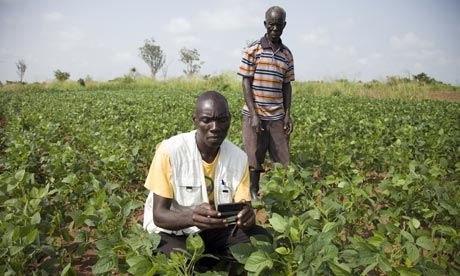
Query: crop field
point(373, 188)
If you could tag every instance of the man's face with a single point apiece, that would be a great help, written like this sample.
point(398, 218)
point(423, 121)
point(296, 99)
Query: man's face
point(275, 23)
point(212, 121)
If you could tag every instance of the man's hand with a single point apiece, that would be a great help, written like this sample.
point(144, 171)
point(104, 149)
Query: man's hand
point(256, 124)
point(246, 217)
point(205, 217)
point(288, 124)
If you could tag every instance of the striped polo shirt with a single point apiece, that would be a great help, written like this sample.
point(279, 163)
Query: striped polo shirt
point(270, 71)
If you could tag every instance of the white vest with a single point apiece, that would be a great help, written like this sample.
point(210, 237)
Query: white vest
point(187, 178)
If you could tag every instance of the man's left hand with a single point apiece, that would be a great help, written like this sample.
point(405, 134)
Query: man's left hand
point(288, 125)
point(246, 217)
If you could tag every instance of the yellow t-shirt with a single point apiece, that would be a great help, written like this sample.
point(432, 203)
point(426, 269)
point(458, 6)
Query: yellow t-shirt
point(159, 178)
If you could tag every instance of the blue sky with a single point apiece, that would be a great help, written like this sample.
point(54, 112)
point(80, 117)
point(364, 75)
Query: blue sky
point(335, 39)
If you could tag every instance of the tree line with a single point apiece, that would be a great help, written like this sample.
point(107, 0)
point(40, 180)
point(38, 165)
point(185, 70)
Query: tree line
point(151, 54)
point(155, 58)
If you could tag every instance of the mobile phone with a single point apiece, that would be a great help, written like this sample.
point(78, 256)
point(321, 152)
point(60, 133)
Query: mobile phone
point(230, 210)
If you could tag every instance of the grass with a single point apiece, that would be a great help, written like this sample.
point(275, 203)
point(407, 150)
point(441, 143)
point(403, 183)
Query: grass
point(393, 88)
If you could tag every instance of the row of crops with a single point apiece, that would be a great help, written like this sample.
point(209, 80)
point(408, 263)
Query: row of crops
point(373, 187)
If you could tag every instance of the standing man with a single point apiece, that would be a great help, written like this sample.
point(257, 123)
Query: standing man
point(267, 68)
point(191, 173)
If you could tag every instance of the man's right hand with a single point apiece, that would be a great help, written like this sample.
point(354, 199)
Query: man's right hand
point(205, 217)
point(256, 124)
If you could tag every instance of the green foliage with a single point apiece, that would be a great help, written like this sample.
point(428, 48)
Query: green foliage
point(61, 76)
point(373, 187)
point(424, 78)
point(81, 82)
point(191, 59)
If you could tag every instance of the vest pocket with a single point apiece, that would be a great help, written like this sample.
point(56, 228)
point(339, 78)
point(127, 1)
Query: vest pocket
point(188, 192)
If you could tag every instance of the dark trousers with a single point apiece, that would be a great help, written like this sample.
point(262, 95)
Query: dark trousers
point(217, 241)
point(273, 139)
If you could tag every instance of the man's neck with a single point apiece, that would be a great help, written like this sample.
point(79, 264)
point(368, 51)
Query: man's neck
point(209, 156)
point(275, 45)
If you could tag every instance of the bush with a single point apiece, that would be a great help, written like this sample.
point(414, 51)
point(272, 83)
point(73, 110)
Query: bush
point(81, 82)
point(61, 76)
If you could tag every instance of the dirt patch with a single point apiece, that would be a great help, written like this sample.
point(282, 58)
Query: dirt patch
point(443, 95)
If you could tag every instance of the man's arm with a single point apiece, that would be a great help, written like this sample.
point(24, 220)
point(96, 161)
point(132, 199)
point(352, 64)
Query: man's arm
point(287, 94)
point(203, 216)
point(249, 99)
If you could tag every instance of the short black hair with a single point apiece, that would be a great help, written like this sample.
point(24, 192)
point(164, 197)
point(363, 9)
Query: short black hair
point(212, 95)
point(275, 8)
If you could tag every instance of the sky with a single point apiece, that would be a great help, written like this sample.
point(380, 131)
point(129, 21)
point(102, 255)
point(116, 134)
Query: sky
point(330, 39)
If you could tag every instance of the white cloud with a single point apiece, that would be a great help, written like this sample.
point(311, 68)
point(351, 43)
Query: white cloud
point(190, 40)
point(73, 34)
point(370, 59)
point(69, 39)
point(349, 51)
point(53, 17)
point(418, 66)
point(178, 25)
point(227, 20)
point(409, 41)
point(237, 53)
point(346, 23)
point(230, 16)
point(122, 56)
point(316, 38)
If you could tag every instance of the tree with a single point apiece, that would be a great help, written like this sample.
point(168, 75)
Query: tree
point(21, 65)
point(424, 78)
point(191, 59)
point(152, 55)
point(61, 76)
point(133, 73)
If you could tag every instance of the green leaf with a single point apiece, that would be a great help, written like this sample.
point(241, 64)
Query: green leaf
point(369, 268)
point(282, 250)
point(65, 235)
point(35, 219)
point(68, 270)
point(314, 214)
point(241, 251)
point(294, 234)
point(15, 249)
point(412, 252)
point(339, 269)
point(407, 235)
point(131, 205)
point(376, 240)
point(102, 245)
point(103, 265)
point(278, 223)
point(30, 238)
point(68, 179)
point(19, 176)
point(139, 265)
point(195, 244)
point(135, 150)
point(425, 243)
point(329, 252)
point(416, 223)
point(257, 262)
point(329, 226)
point(408, 271)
